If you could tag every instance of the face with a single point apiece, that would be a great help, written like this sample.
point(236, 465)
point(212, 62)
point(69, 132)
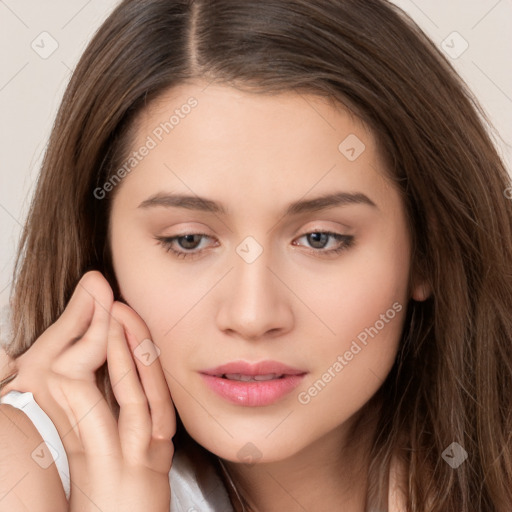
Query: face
point(297, 253)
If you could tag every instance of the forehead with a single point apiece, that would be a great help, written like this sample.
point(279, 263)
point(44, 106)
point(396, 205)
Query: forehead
point(252, 117)
point(218, 138)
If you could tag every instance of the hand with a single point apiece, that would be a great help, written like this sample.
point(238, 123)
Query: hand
point(6, 365)
point(115, 465)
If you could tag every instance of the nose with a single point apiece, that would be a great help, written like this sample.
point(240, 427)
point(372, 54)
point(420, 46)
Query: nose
point(255, 303)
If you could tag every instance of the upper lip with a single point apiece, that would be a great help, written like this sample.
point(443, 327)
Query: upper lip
point(252, 369)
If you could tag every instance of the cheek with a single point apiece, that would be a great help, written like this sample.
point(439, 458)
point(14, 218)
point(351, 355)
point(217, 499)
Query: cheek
point(352, 296)
point(163, 299)
point(366, 317)
point(159, 289)
point(172, 304)
point(362, 305)
point(338, 299)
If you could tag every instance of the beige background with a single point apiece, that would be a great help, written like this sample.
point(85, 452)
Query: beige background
point(31, 86)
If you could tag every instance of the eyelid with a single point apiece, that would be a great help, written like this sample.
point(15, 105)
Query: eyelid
point(314, 227)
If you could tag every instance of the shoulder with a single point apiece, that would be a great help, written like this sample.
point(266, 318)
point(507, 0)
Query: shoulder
point(27, 472)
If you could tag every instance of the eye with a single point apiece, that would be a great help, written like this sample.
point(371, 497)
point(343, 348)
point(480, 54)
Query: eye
point(319, 240)
point(187, 242)
point(185, 246)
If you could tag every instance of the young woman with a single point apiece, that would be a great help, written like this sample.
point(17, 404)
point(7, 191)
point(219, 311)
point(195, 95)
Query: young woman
point(267, 267)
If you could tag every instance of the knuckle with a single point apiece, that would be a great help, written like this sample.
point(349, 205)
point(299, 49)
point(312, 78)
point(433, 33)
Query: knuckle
point(94, 282)
point(128, 316)
point(136, 401)
point(119, 310)
point(161, 404)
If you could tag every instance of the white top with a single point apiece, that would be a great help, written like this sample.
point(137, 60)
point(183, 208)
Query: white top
point(193, 486)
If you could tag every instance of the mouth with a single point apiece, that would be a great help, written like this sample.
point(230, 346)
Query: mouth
point(253, 384)
point(263, 370)
point(250, 378)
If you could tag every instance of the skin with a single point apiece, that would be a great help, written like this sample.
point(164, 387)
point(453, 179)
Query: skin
point(116, 463)
point(255, 154)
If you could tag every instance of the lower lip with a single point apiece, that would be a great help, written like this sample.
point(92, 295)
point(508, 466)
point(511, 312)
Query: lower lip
point(252, 394)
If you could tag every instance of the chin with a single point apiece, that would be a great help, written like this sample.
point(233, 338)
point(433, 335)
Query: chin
point(249, 450)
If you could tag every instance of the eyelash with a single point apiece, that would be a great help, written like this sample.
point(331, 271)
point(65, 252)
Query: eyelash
point(166, 242)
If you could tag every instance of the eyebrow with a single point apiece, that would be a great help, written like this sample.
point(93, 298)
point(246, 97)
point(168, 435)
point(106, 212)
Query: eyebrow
point(197, 203)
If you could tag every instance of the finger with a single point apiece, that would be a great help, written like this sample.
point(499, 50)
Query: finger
point(134, 422)
point(75, 320)
point(86, 355)
point(91, 293)
point(86, 311)
point(146, 357)
point(92, 421)
point(93, 286)
point(72, 324)
point(54, 402)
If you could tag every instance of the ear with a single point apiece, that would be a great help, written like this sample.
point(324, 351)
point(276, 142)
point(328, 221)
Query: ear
point(421, 290)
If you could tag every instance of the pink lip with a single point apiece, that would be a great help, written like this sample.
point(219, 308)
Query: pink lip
point(253, 394)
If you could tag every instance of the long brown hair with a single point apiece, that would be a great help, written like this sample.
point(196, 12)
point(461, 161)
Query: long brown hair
point(452, 380)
